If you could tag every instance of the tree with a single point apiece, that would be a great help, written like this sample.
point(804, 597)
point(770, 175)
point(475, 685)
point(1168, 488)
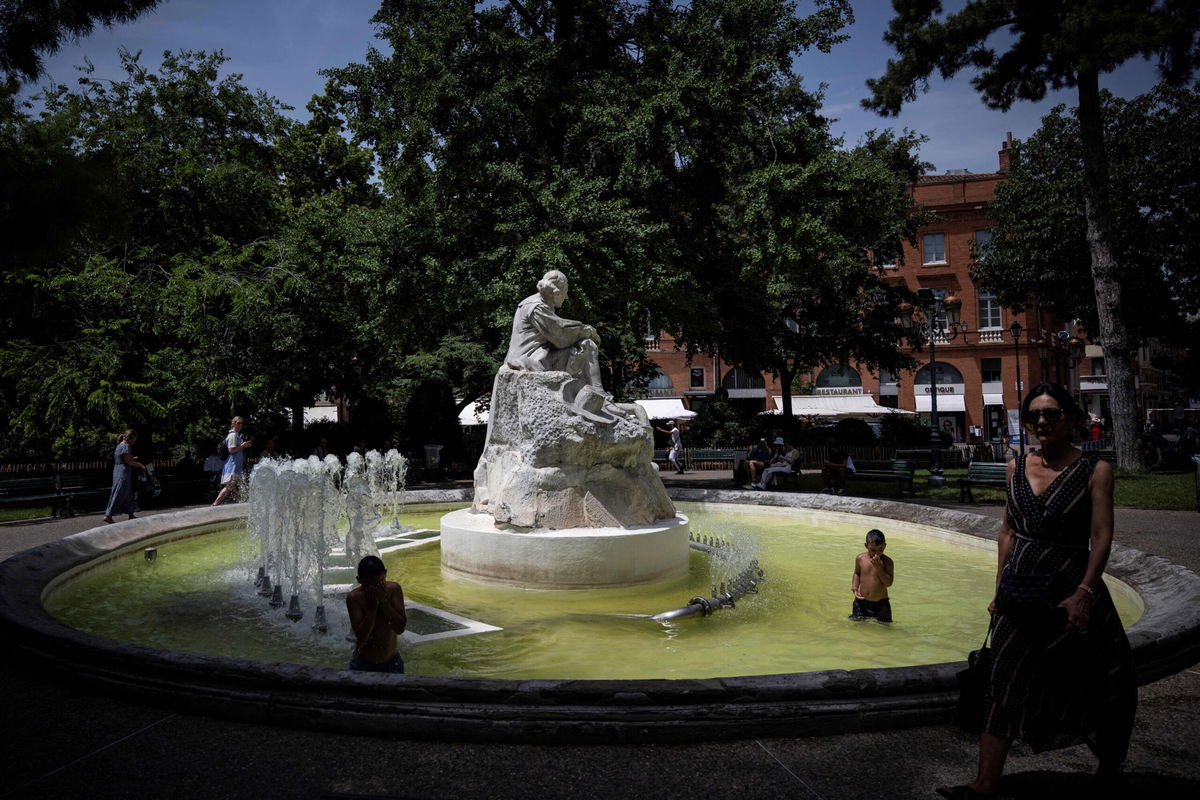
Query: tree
point(160, 307)
point(30, 29)
point(1039, 250)
point(664, 156)
point(1053, 44)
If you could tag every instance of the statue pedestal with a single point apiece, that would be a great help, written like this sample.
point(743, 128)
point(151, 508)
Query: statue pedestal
point(569, 558)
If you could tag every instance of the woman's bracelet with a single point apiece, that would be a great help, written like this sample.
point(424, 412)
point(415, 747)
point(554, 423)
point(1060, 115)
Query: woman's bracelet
point(1091, 592)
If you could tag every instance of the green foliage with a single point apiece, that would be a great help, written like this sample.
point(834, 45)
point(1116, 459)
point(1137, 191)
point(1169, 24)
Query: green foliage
point(854, 432)
point(664, 156)
point(30, 29)
point(184, 285)
point(1053, 44)
point(898, 430)
point(1040, 249)
point(720, 423)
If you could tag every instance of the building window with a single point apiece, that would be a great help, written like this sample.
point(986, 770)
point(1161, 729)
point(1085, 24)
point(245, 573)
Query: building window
point(982, 240)
point(838, 376)
point(661, 386)
point(1098, 366)
point(738, 378)
point(697, 378)
point(935, 248)
point(989, 311)
point(989, 369)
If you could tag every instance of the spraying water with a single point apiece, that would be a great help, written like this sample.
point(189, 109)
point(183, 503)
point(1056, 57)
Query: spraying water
point(295, 510)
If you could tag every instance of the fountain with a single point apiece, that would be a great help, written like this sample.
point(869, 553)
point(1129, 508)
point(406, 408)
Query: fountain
point(294, 511)
point(565, 496)
point(566, 492)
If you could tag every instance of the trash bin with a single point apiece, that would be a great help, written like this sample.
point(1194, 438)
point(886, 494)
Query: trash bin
point(433, 456)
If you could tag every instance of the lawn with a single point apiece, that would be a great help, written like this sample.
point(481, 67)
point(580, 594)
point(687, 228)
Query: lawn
point(1166, 491)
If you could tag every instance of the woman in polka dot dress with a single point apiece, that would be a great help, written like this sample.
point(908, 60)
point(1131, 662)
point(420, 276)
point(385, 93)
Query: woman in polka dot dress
point(1061, 676)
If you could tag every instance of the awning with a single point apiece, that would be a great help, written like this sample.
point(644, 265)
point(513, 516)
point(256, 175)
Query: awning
point(835, 406)
point(993, 399)
point(473, 415)
point(946, 402)
point(665, 408)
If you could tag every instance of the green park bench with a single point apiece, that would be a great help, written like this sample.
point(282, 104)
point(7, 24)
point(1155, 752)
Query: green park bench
point(60, 492)
point(899, 470)
point(981, 473)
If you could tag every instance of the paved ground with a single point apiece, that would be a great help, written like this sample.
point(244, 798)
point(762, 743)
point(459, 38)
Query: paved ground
point(58, 741)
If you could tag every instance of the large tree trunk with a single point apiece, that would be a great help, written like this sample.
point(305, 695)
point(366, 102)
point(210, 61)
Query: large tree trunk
point(1118, 349)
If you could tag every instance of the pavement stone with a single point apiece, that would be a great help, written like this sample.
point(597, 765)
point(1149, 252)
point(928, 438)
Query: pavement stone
point(61, 741)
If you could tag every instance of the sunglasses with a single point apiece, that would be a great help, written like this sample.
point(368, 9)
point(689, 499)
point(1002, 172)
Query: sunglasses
point(1052, 415)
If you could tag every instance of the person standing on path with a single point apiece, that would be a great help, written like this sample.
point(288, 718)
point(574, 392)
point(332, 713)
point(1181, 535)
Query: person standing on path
point(123, 499)
point(1062, 671)
point(231, 474)
point(675, 456)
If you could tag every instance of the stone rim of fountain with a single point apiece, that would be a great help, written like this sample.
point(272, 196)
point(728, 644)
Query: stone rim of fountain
point(1165, 639)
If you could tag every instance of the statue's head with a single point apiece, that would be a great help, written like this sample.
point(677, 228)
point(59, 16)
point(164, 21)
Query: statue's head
point(553, 287)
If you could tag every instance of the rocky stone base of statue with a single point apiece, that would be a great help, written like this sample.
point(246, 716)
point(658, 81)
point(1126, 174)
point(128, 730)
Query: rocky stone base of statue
point(576, 558)
point(559, 457)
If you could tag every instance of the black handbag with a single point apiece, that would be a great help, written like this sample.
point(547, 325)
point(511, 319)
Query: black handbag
point(973, 687)
point(1026, 596)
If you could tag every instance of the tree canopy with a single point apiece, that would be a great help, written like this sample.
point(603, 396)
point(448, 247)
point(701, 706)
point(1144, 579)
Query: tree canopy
point(31, 29)
point(666, 157)
point(216, 257)
point(1039, 251)
point(1017, 50)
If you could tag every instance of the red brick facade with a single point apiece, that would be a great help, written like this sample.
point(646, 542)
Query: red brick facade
point(973, 404)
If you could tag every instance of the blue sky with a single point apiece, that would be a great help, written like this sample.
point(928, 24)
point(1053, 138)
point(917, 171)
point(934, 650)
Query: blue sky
point(279, 46)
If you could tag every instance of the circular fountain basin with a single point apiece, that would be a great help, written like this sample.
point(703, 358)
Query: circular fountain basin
point(829, 701)
point(573, 558)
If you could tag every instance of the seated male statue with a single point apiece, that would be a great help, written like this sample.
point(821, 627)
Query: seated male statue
point(543, 341)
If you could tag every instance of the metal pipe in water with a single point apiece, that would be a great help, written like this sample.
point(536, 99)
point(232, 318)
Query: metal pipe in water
point(745, 583)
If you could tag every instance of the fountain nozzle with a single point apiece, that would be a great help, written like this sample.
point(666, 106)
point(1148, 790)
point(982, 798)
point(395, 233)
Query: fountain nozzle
point(276, 597)
point(262, 573)
point(294, 613)
point(151, 553)
point(319, 623)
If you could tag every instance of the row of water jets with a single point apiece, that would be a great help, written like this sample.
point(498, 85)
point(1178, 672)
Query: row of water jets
point(294, 522)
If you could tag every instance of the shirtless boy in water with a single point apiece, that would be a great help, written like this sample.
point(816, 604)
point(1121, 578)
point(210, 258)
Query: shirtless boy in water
point(873, 574)
point(377, 615)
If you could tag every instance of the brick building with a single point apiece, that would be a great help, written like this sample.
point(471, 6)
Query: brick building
point(976, 367)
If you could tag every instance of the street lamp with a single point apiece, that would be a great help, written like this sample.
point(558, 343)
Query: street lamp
point(1060, 349)
point(1016, 330)
point(920, 326)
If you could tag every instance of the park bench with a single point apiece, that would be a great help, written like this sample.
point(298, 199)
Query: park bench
point(701, 458)
point(981, 473)
point(57, 491)
point(951, 457)
point(899, 470)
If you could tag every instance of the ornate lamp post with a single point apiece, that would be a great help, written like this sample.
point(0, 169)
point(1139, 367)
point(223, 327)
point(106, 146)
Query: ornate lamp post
point(1015, 329)
point(1060, 349)
point(920, 326)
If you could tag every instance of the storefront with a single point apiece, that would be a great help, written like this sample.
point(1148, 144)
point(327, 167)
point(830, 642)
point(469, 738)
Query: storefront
point(951, 398)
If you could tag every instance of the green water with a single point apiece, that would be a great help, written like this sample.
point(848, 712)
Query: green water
point(190, 599)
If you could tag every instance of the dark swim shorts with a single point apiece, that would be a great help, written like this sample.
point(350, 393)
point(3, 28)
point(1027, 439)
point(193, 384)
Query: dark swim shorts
point(868, 609)
point(395, 664)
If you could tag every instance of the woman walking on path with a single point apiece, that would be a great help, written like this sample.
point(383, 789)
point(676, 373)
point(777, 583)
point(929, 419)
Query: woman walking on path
point(124, 498)
point(1061, 671)
point(231, 473)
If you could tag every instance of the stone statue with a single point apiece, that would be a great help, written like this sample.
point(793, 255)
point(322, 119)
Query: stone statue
point(559, 453)
point(542, 341)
